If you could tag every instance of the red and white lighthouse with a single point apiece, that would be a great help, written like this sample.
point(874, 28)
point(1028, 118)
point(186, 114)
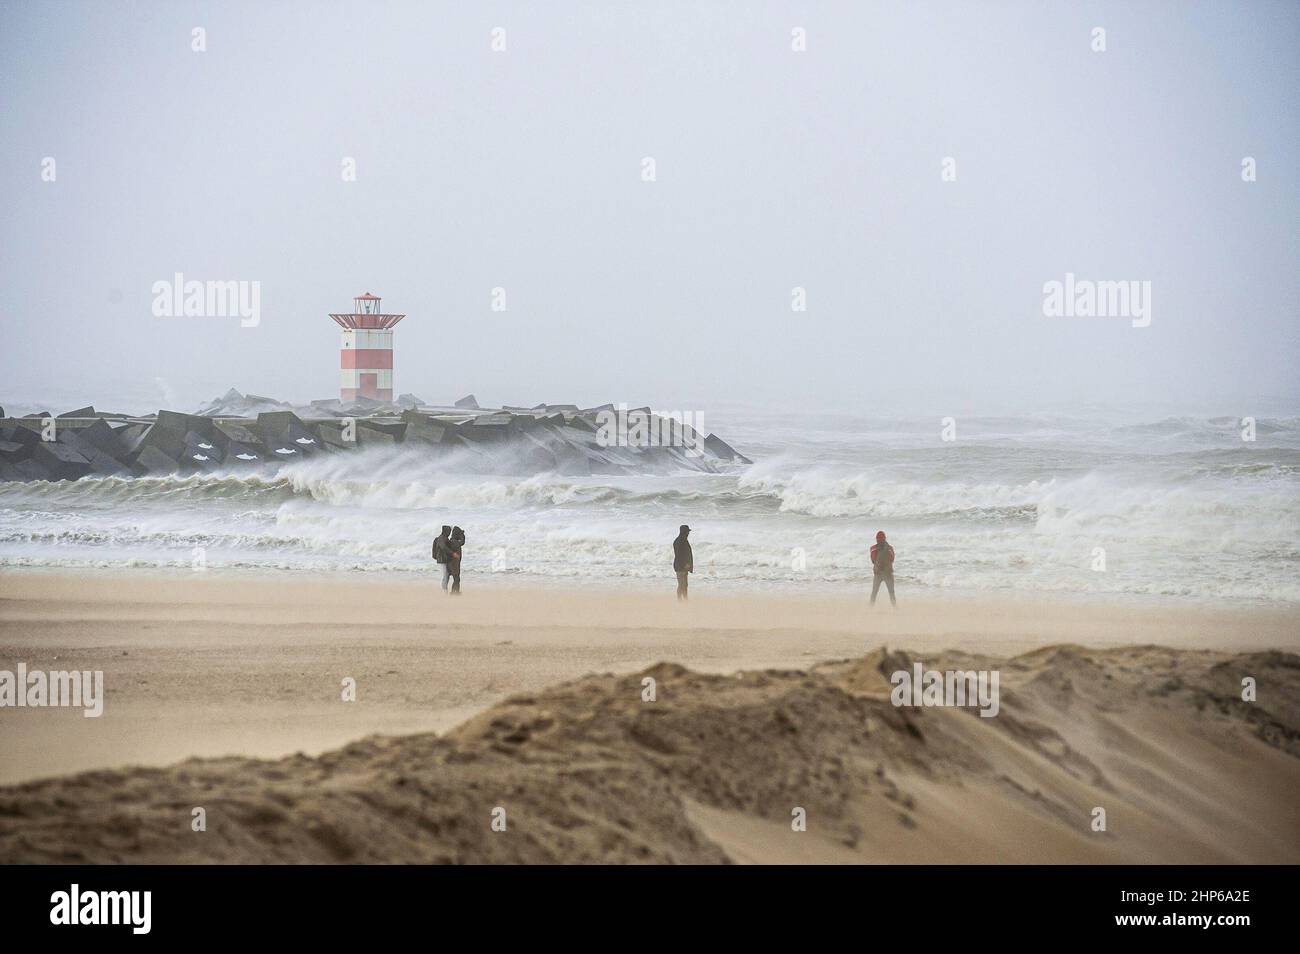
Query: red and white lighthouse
point(366, 352)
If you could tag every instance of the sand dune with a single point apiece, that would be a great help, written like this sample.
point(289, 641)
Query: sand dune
point(202, 665)
point(711, 770)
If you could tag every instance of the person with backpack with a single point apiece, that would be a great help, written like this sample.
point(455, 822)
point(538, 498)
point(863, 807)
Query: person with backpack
point(882, 566)
point(455, 544)
point(683, 560)
point(442, 554)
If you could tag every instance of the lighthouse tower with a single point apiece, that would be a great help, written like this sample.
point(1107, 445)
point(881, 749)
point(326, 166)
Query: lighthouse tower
point(366, 352)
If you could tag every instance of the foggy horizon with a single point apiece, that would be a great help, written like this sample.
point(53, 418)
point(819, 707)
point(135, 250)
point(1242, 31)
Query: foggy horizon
point(775, 169)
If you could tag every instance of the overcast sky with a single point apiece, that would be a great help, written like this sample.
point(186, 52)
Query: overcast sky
point(775, 169)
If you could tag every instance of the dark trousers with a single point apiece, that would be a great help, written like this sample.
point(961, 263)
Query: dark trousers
point(682, 577)
point(452, 569)
point(888, 580)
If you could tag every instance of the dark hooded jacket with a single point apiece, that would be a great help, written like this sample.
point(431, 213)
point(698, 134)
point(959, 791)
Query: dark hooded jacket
point(442, 546)
point(683, 559)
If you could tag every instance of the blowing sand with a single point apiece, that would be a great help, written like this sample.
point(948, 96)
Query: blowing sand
point(766, 703)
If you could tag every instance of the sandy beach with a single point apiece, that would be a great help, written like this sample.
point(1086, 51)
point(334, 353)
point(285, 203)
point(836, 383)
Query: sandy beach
point(1136, 707)
point(210, 666)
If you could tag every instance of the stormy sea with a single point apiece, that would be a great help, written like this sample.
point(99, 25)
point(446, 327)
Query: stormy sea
point(1103, 502)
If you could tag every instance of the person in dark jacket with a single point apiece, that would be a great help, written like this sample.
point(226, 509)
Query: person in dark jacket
point(882, 566)
point(456, 544)
point(442, 553)
point(683, 560)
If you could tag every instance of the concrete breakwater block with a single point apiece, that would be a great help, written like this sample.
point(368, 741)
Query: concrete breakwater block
point(721, 449)
point(423, 429)
point(102, 436)
point(167, 435)
point(31, 470)
point(283, 430)
point(203, 452)
point(156, 463)
point(241, 447)
point(18, 442)
point(335, 434)
point(235, 431)
point(377, 434)
point(129, 437)
point(60, 461)
point(86, 442)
